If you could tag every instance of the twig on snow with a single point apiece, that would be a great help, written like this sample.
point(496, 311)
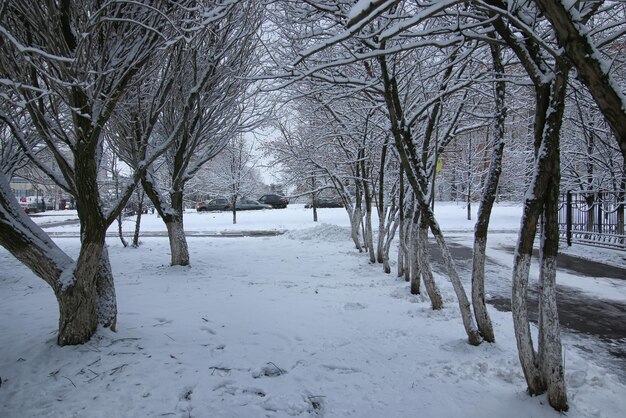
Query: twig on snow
point(117, 369)
point(280, 371)
point(69, 380)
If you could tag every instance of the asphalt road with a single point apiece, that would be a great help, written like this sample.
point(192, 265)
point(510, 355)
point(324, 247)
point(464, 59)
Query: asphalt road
point(578, 312)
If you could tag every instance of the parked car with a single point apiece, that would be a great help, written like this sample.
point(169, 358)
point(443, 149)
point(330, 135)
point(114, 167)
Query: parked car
point(31, 207)
point(214, 204)
point(276, 201)
point(326, 202)
point(249, 204)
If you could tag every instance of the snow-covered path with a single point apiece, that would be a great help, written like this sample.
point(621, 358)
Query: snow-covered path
point(295, 325)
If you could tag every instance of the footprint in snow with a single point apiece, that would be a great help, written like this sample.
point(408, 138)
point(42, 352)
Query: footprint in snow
point(269, 370)
point(354, 306)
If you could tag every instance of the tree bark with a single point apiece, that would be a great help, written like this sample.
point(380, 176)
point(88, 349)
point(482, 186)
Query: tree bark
point(178, 242)
point(173, 218)
point(409, 159)
point(543, 371)
point(381, 205)
point(473, 336)
point(120, 231)
point(436, 300)
point(140, 196)
point(486, 203)
point(415, 256)
point(401, 242)
point(73, 284)
point(105, 291)
point(368, 237)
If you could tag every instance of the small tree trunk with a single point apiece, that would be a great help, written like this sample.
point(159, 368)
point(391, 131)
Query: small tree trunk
point(176, 231)
point(368, 237)
point(409, 248)
point(383, 230)
point(436, 301)
point(137, 229)
point(390, 232)
point(138, 219)
point(381, 204)
point(401, 242)
point(355, 224)
point(478, 290)
point(178, 242)
point(473, 335)
point(120, 232)
point(415, 256)
point(550, 351)
point(486, 204)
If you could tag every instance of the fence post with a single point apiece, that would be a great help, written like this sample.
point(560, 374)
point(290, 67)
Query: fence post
point(620, 212)
point(568, 218)
point(599, 203)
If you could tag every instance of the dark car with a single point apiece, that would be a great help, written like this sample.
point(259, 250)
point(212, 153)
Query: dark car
point(276, 201)
point(326, 202)
point(31, 207)
point(249, 204)
point(214, 204)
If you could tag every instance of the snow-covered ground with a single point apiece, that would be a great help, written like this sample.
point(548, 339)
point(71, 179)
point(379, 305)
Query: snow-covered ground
point(294, 325)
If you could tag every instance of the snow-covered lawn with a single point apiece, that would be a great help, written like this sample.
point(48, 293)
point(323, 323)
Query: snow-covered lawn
point(294, 325)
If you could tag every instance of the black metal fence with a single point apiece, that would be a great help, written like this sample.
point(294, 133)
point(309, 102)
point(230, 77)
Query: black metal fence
point(594, 218)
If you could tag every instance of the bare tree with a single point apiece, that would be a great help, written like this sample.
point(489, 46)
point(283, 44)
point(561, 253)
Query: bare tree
point(233, 173)
point(67, 64)
point(214, 99)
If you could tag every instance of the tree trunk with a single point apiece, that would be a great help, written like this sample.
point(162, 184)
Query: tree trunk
point(401, 243)
point(178, 242)
point(390, 234)
point(105, 290)
point(368, 237)
point(383, 230)
point(478, 290)
point(543, 371)
point(137, 229)
point(138, 219)
point(466, 311)
point(381, 204)
point(78, 316)
point(355, 224)
point(409, 159)
point(176, 231)
point(486, 203)
point(550, 353)
point(173, 218)
point(74, 285)
point(390, 228)
point(415, 256)
point(120, 231)
point(409, 247)
point(436, 300)
point(78, 302)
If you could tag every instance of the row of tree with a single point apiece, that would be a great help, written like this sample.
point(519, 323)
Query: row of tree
point(383, 101)
point(382, 92)
point(164, 85)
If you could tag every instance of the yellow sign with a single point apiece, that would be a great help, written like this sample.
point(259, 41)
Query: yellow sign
point(439, 166)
